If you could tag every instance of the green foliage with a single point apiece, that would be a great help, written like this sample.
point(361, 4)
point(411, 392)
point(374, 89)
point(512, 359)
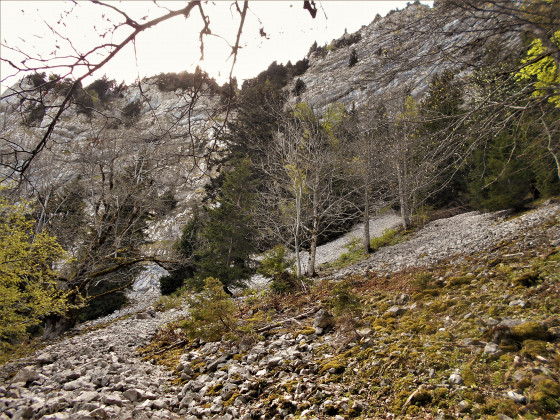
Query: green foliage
point(299, 87)
point(353, 60)
point(388, 238)
point(170, 82)
point(211, 313)
point(132, 111)
point(354, 254)
point(28, 287)
point(227, 234)
point(172, 301)
point(422, 281)
point(344, 301)
point(285, 283)
point(275, 262)
point(102, 87)
point(542, 68)
point(500, 177)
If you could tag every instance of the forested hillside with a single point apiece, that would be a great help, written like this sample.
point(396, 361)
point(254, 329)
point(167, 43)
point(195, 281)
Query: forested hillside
point(427, 113)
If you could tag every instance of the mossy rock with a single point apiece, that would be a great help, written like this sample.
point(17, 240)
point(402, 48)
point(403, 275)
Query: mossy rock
point(458, 281)
point(437, 307)
point(338, 366)
point(530, 330)
point(545, 403)
point(534, 348)
point(215, 390)
point(550, 387)
point(430, 292)
point(523, 383)
point(305, 331)
point(422, 398)
point(527, 279)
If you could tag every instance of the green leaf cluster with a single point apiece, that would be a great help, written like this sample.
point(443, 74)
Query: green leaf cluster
point(540, 65)
point(28, 287)
point(211, 313)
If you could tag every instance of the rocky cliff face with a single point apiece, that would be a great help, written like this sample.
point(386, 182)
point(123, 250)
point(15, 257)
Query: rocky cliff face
point(167, 132)
point(403, 50)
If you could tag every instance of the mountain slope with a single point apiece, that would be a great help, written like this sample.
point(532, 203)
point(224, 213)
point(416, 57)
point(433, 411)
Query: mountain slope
point(475, 333)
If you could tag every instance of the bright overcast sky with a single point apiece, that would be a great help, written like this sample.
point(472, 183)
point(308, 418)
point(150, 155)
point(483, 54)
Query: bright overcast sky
point(173, 45)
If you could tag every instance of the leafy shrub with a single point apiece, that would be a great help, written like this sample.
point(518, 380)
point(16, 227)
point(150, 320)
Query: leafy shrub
point(347, 40)
point(37, 79)
point(299, 87)
point(212, 313)
point(85, 101)
point(60, 86)
point(131, 111)
point(102, 87)
point(166, 303)
point(353, 58)
point(422, 281)
point(388, 238)
point(28, 289)
point(300, 67)
point(354, 254)
point(343, 301)
point(284, 283)
point(422, 215)
point(275, 262)
point(170, 82)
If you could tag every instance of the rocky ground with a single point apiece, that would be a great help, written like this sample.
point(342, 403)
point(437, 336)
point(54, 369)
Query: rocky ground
point(459, 321)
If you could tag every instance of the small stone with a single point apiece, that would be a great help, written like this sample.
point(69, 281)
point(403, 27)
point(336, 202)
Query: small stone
point(456, 379)
point(86, 397)
point(519, 302)
point(111, 399)
point(26, 375)
point(45, 358)
point(323, 320)
point(515, 397)
point(492, 351)
point(131, 394)
point(99, 413)
point(395, 310)
point(403, 299)
point(274, 361)
point(463, 406)
point(23, 413)
point(159, 404)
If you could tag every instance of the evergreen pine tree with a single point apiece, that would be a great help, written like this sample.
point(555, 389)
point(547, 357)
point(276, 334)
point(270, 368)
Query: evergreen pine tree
point(228, 231)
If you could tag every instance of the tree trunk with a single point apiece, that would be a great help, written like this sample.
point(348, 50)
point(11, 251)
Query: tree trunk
point(314, 234)
point(403, 199)
point(299, 192)
point(366, 239)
